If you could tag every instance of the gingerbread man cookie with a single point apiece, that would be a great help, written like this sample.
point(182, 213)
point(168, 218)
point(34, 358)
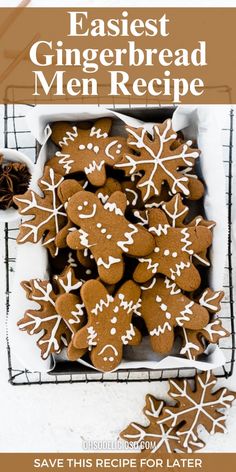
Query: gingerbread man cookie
point(157, 160)
point(86, 150)
point(173, 253)
point(164, 307)
point(177, 213)
point(109, 325)
point(106, 232)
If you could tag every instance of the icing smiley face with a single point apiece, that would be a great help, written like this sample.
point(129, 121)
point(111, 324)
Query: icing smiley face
point(87, 209)
point(109, 325)
point(86, 149)
point(106, 232)
point(173, 252)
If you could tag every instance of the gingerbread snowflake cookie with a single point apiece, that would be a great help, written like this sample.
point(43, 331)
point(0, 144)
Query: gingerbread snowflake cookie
point(163, 307)
point(86, 150)
point(47, 212)
point(173, 252)
point(109, 325)
point(178, 428)
point(56, 330)
point(104, 230)
point(158, 160)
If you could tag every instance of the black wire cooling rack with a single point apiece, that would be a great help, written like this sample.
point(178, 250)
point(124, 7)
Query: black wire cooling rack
point(17, 136)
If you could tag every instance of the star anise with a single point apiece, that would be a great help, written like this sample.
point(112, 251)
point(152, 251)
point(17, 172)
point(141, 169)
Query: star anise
point(14, 180)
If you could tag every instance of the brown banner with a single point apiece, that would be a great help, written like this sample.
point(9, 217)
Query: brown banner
point(102, 55)
point(118, 462)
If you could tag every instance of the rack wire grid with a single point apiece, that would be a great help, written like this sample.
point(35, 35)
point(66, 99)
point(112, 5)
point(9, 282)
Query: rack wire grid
point(17, 136)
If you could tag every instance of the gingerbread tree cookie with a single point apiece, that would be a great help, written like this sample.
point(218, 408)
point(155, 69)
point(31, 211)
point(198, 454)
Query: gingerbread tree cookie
point(174, 249)
point(158, 160)
point(109, 325)
point(48, 214)
point(164, 307)
point(86, 150)
point(106, 232)
point(57, 332)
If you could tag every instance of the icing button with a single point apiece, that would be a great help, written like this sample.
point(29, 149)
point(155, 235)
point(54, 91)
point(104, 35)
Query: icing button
point(163, 307)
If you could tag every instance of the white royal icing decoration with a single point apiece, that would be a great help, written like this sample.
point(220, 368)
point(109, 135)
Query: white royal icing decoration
point(65, 160)
point(206, 407)
point(52, 213)
point(160, 229)
point(98, 133)
point(204, 301)
point(111, 261)
point(130, 333)
point(112, 207)
point(69, 136)
point(108, 346)
point(91, 336)
point(153, 266)
point(186, 241)
point(157, 160)
point(101, 304)
point(175, 215)
point(94, 166)
point(109, 146)
point(178, 269)
point(88, 215)
point(161, 329)
point(129, 239)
